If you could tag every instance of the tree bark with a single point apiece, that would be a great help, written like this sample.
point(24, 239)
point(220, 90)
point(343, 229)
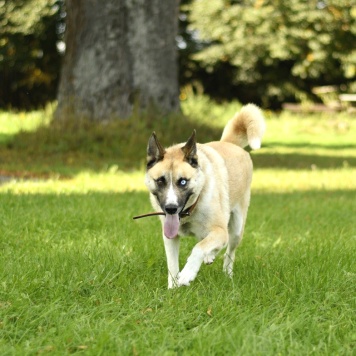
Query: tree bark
point(119, 53)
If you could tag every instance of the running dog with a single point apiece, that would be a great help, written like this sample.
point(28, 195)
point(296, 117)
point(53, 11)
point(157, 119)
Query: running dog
point(204, 190)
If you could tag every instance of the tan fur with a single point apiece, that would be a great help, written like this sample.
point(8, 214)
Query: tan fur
point(246, 128)
point(221, 181)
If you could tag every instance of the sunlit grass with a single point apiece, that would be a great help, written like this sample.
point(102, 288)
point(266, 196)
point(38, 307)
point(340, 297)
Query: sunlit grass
point(311, 131)
point(78, 275)
point(83, 183)
point(264, 180)
point(282, 180)
point(13, 122)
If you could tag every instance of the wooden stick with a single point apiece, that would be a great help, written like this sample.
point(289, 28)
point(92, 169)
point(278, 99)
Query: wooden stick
point(182, 214)
point(149, 214)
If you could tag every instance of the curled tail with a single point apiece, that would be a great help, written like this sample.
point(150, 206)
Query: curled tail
point(245, 128)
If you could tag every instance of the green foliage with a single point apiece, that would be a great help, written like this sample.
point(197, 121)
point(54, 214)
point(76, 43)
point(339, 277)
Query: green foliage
point(263, 51)
point(29, 60)
point(277, 50)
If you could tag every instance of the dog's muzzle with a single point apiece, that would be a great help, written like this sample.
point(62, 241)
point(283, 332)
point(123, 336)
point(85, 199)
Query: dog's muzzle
point(171, 209)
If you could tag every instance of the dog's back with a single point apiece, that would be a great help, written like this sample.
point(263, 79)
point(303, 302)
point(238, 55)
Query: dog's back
point(239, 169)
point(245, 128)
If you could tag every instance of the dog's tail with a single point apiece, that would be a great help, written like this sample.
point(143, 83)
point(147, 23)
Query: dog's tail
point(245, 128)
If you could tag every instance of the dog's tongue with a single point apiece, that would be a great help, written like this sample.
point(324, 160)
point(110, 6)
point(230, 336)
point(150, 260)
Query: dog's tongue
point(171, 226)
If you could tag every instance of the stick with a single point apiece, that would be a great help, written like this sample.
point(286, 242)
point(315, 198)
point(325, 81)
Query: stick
point(149, 214)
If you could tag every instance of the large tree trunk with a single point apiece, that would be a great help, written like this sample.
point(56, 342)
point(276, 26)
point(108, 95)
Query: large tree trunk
point(119, 53)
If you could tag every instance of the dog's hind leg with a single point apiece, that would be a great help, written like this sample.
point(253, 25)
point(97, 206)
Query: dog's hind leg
point(236, 229)
point(172, 253)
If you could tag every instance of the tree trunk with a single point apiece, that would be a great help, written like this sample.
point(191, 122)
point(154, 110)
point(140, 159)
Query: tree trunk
point(119, 53)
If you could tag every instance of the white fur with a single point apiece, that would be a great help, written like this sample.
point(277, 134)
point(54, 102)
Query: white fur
point(251, 119)
point(191, 268)
point(172, 198)
point(172, 252)
point(255, 143)
point(236, 224)
point(149, 182)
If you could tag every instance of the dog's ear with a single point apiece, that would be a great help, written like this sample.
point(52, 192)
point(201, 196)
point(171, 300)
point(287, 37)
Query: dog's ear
point(155, 151)
point(190, 151)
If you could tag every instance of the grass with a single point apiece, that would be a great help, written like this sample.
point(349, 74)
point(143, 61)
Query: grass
point(79, 276)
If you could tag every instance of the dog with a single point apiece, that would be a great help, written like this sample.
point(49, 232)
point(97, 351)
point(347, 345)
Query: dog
point(204, 190)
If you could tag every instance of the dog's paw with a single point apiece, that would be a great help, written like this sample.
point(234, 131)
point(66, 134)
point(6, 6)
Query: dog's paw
point(209, 259)
point(185, 277)
point(191, 269)
point(229, 272)
point(172, 283)
point(228, 269)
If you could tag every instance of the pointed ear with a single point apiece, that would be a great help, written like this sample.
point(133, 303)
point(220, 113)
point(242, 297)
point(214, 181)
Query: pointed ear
point(155, 151)
point(190, 151)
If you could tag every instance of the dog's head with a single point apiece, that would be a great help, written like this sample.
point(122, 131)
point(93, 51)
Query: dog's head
point(174, 178)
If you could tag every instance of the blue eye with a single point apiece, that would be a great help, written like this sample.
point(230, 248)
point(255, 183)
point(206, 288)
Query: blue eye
point(182, 182)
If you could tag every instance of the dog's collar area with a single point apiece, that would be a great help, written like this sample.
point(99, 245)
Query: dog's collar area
point(182, 214)
point(188, 211)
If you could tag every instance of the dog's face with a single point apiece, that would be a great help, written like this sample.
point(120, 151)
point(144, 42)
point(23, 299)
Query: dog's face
point(174, 177)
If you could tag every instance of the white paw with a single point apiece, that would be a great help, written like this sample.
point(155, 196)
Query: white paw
point(228, 269)
point(209, 259)
point(191, 269)
point(172, 283)
point(185, 277)
point(229, 272)
point(228, 265)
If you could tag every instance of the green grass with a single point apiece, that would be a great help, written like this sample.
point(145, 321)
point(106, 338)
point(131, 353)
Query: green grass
point(12, 123)
point(78, 275)
point(71, 146)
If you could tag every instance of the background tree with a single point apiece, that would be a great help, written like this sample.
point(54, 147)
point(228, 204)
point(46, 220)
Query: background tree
point(265, 51)
point(119, 53)
point(29, 60)
point(269, 51)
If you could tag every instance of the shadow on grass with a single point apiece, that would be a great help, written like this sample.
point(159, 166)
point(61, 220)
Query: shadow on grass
point(67, 148)
point(4, 138)
point(301, 161)
point(309, 145)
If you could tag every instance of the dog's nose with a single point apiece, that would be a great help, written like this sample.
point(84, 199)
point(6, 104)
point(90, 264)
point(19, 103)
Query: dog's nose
point(171, 209)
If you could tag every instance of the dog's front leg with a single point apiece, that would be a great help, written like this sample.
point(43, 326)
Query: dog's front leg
point(210, 246)
point(172, 253)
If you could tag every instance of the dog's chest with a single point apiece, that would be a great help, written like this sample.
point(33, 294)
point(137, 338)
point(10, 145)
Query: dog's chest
point(193, 227)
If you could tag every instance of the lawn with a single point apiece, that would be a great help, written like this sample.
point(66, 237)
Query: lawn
point(78, 275)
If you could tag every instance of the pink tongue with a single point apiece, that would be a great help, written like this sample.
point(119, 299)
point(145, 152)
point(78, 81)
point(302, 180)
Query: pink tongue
point(171, 226)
